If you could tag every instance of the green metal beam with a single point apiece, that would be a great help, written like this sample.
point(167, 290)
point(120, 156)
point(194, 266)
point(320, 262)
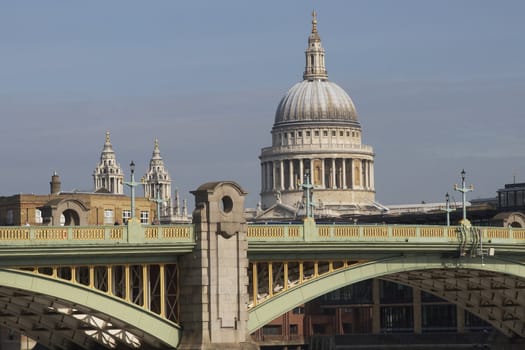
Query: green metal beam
point(287, 300)
point(139, 321)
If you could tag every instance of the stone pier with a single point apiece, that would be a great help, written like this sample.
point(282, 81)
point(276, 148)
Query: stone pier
point(213, 279)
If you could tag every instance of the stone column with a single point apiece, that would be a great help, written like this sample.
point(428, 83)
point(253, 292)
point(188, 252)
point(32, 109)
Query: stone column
point(263, 177)
point(301, 170)
point(372, 179)
point(269, 177)
point(368, 174)
point(363, 173)
point(281, 175)
point(275, 175)
point(290, 168)
point(343, 161)
point(334, 174)
point(214, 284)
point(323, 184)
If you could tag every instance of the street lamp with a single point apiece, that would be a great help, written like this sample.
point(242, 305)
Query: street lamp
point(463, 189)
point(132, 184)
point(447, 208)
point(307, 187)
point(157, 200)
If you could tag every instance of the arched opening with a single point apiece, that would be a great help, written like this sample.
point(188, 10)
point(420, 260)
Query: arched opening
point(71, 218)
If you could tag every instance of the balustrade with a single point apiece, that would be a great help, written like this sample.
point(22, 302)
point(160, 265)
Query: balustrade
point(28, 235)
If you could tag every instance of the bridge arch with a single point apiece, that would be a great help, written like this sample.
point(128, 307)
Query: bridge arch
point(399, 267)
point(60, 314)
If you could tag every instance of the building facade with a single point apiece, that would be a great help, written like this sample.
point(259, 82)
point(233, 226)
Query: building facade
point(316, 137)
point(60, 208)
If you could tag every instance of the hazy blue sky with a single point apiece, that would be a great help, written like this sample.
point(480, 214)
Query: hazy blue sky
point(438, 85)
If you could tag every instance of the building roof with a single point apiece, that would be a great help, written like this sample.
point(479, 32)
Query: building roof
point(315, 101)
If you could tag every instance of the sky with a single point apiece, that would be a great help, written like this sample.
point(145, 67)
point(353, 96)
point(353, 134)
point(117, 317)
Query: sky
point(439, 86)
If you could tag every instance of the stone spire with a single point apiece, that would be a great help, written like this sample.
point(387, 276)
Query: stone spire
point(158, 179)
point(108, 174)
point(315, 68)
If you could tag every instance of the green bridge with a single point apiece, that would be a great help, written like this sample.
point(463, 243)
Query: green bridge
point(219, 279)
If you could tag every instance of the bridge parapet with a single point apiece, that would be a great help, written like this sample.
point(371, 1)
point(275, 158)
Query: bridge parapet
point(103, 235)
point(391, 233)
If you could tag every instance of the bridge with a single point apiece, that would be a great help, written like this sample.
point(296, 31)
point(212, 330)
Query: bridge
point(211, 283)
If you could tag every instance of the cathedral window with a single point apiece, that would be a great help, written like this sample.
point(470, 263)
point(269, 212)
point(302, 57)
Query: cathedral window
point(325, 133)
point(341, 133)
point(333, 132)
point(308, 133)
point(299, 134)
point(316, 132)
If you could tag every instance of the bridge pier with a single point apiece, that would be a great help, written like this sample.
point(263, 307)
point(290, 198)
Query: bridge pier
point(214, 282)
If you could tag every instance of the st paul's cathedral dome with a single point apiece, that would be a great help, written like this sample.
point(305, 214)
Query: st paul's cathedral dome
point(316, 139)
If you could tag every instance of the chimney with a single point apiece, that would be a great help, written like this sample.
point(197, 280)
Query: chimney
point(55, 183)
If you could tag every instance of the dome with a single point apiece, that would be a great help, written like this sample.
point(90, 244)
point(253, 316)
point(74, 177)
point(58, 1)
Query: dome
point(316, 101)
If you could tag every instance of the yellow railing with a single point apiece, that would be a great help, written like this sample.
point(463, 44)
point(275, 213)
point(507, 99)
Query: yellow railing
point(117, 232)
point(254, 232)
point(14, 234)
point(51, 234)
point(89, 233)
point(293, 231)
point(404, 231)
point(323, 231)
point(92, 233)
point(498, 233)
point(151, 232)
point(176, 231)
point(432, 232)
point(346, 231)
point(375, 231)
point(518, 234)
point(265, 231)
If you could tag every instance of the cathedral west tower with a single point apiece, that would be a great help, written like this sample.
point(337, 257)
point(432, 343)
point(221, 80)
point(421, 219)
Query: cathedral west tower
point(108, 175)
point(316, 134)
point(157, 181)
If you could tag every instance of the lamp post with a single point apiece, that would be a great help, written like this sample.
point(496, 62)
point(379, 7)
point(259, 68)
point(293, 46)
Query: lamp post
point(307, 187)
point(157, 200)
point(447, 208)
point(132, 184)
point(463, 189)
